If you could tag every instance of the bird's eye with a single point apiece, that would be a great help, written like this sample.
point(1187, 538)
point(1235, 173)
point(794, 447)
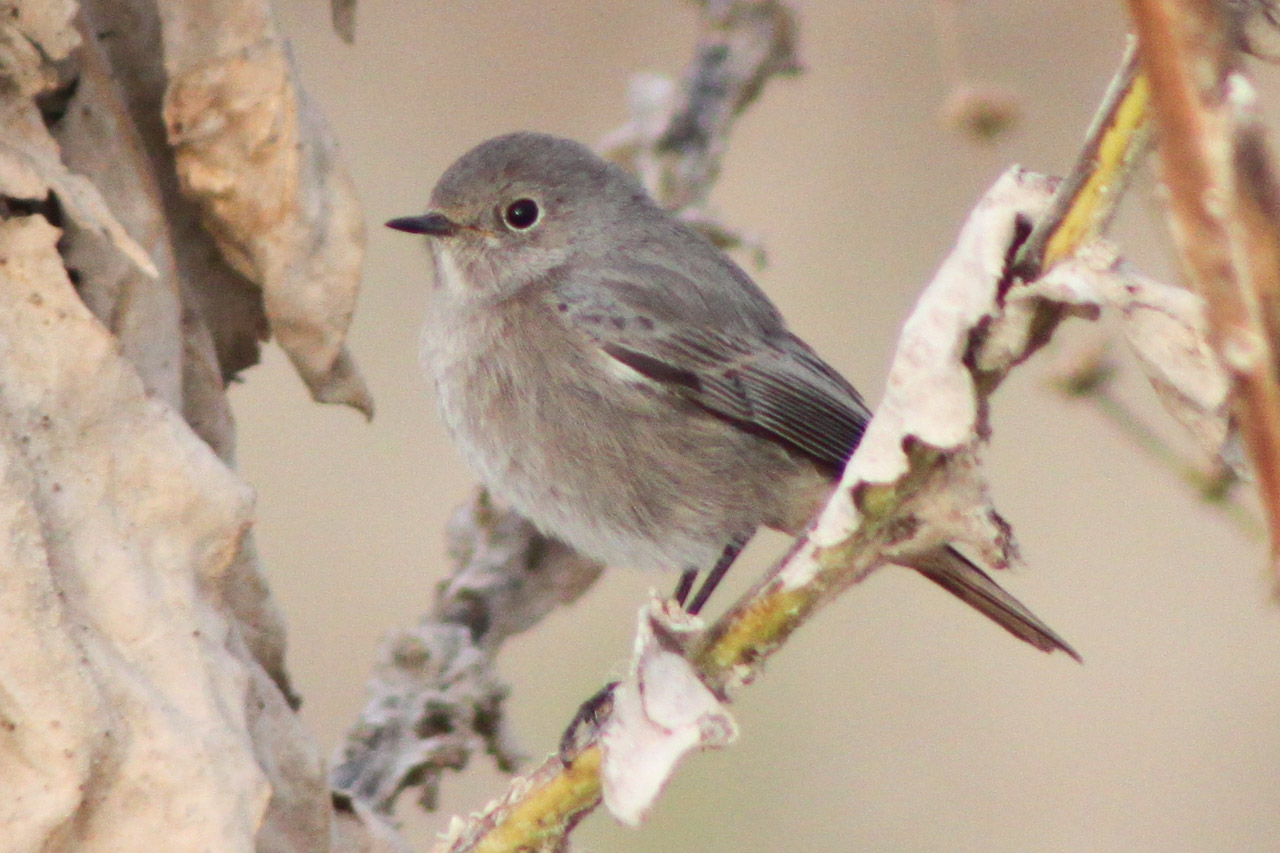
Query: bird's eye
point(522, 214)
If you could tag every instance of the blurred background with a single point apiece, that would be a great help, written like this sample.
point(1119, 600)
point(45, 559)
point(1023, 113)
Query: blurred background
point(898, 719)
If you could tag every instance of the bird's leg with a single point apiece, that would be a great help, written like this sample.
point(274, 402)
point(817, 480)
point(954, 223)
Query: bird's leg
point(722, 565)
point(687, 577)
point(593, 712)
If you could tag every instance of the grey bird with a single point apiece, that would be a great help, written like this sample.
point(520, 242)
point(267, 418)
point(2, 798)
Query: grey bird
point(623, 384)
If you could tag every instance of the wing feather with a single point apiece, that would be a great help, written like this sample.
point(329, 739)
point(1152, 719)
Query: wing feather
point(778, 388)
point(716, 340)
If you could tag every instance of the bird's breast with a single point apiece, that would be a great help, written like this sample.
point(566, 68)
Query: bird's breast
point(593, 453)
point(494, 367)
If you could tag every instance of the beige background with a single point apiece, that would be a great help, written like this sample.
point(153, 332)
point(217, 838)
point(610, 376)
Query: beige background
point(898, 720)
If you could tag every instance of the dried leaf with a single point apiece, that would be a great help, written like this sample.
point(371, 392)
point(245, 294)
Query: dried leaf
point(261, 163)
point(33, 35)
point(300, 812)
point(1167, 329)
point(661, 712)
point(931, 400)
point(219, 303)
point(31, 167)
point(204, 398)
point(99, 140)
point(124, 702)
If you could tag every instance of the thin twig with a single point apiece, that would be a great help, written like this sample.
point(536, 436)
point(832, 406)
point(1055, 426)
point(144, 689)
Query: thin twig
point(1208, 485)
point(1090, 379)
point(1088, 197)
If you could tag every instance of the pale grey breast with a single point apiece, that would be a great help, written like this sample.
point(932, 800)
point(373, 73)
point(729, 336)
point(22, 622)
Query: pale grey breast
point(505, 403)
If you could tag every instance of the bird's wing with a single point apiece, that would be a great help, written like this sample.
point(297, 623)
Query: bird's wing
point(733, 357)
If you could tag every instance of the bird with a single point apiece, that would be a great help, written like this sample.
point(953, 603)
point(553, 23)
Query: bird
point(623, 384)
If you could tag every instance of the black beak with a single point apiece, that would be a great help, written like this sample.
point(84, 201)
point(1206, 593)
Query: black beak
point(432, 224)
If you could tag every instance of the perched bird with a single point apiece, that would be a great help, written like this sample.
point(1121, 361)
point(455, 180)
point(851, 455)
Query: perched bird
point(626, 386)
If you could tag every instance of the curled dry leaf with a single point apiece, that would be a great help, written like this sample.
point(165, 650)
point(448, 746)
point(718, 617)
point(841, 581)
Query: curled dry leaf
point(299, 814)
point(98, 140)
point(33, 35)
point(661, 712)
point(144, 659)
point(931, 395)
point(261, 163)
point(221, 308)
point(127, 694)
point(972, 321)
point(932, 402)
point(31, 167)
point(1167, 330)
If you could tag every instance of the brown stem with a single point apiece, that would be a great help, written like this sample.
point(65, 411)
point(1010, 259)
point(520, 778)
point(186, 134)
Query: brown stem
point(1222, 204)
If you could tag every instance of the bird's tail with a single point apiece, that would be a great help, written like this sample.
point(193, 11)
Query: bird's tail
point(949, 569)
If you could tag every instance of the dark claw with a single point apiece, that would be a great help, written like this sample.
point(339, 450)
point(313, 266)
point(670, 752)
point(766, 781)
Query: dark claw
point(586, 723)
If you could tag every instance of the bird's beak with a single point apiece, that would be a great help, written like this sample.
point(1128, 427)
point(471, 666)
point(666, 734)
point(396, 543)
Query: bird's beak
point(431, 223)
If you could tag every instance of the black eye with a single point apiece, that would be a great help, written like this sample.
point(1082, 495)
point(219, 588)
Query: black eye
point(521, 213)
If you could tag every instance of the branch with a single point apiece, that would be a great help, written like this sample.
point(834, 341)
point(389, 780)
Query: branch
point(1167, 332)
point(1223, 207)
point(914, 485)
point(678, 135)
point(434, 698)
point(1088, 197)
